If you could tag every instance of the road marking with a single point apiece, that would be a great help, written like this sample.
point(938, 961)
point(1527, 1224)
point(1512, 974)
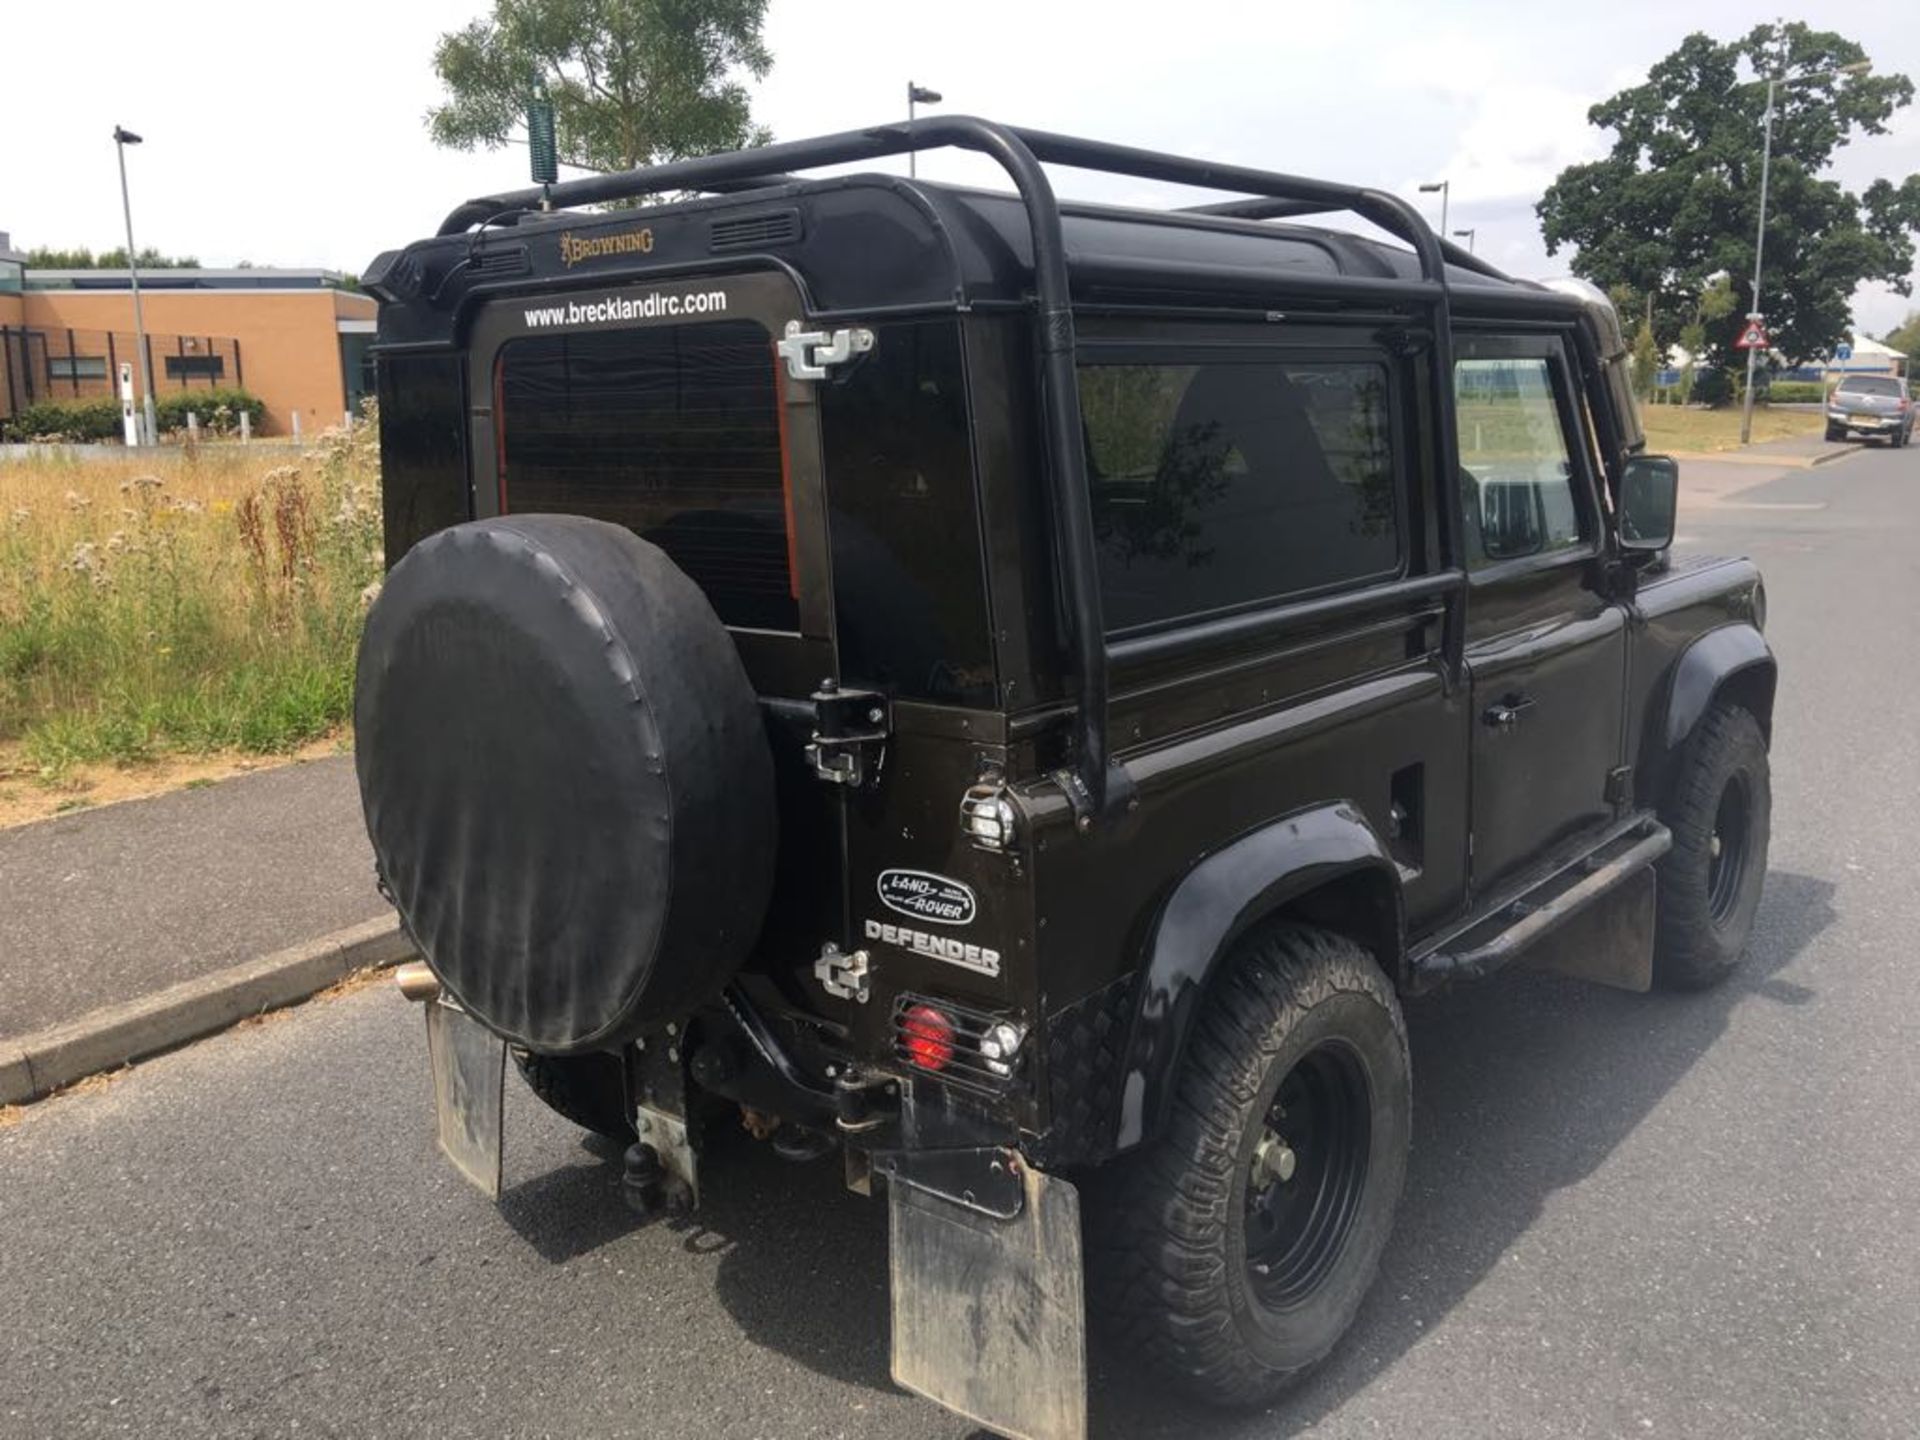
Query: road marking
point(1769, 505)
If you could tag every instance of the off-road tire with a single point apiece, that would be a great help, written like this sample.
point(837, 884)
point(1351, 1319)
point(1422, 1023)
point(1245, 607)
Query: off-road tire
point(1168, 1263)
point(589, 1090)
point(1705, 918)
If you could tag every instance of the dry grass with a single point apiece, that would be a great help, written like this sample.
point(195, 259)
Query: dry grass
point(352, 984)
point(1680, 428)
point(189, 602)
point(29, 793)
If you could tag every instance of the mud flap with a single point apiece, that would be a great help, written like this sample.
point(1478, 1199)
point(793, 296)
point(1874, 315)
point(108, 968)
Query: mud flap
point(989, 1318)
point(469, 1076)
point(1609, 943)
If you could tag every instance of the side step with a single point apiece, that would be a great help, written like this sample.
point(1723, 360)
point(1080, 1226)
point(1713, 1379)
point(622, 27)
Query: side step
point(1496, 940)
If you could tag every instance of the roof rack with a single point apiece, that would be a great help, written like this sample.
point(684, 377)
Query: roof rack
point(1095, 786)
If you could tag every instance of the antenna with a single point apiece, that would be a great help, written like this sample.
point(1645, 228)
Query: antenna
point(543, 154)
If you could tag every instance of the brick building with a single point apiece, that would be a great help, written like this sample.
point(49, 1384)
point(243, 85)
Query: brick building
point(295, 338)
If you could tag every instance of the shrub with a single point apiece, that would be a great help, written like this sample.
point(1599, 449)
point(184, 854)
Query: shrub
point(219, 410)
point(64, 420)
point(1797, 392)
point(1712, 388)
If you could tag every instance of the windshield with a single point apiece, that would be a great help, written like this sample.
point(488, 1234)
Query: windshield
point(1870, 385)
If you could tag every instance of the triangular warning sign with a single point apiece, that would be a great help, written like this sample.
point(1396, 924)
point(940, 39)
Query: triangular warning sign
point(1754, 337)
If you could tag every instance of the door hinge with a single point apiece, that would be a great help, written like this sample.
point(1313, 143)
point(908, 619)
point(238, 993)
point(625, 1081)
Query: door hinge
point(810, 354)
point(849, 741)
point(1620, 785)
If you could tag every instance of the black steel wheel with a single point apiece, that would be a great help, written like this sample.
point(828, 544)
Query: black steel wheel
point(589, 1090)
point(1719, 811)
point(1233, 1251)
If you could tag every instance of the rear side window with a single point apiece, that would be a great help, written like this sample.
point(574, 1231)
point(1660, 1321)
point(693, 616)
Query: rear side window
point(1227, 483)
point(672, 431)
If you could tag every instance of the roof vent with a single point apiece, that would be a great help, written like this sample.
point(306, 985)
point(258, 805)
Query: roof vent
point(742, 232)
point(507, 260)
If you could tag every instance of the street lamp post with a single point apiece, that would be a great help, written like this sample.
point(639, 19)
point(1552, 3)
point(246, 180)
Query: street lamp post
point(121, 139)
point(918, 95)
point(1469, 233)
point(1754, 317)
point(1445, 187)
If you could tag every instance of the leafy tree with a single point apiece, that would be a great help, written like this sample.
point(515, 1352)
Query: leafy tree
point(633, 82)
point(1646, 361)
point(44, 258)
point(1676, 199)
point(1715, 303)
point(1905, 337)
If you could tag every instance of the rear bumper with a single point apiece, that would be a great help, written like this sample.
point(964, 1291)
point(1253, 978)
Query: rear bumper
point(1867, 424)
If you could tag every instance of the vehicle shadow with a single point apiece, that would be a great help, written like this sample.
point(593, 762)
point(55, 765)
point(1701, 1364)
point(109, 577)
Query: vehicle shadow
point(1523, 1085)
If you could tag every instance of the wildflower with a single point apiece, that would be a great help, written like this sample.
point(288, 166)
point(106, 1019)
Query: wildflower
point(22, 515)
point(142, 482)
point(116, 542)
point(369, 595)
point(77, 502)
point(223, 507)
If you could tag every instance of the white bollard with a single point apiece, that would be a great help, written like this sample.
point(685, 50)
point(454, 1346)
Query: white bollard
point(246, 426)
point(296, 426)
point(193, 428)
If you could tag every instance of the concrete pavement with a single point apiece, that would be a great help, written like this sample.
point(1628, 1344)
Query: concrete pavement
point(1625, 1215)
point(136, 926)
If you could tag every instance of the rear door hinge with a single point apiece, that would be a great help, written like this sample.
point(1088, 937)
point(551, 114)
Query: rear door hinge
point(849, 741)
point(810, 354)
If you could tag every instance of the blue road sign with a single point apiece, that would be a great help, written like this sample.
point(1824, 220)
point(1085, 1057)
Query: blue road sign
point(1843, 352)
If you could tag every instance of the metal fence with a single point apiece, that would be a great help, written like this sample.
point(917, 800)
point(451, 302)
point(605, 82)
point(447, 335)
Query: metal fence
point(39, 363)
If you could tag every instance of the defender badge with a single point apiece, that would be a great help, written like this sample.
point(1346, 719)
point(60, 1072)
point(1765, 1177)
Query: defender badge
point(926, 896)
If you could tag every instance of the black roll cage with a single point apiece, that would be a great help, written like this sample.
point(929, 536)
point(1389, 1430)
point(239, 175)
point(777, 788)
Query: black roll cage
point(1094, 785)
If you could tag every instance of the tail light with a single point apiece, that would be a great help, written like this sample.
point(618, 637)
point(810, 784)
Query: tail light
point(926, 1037)
point(963, 1047)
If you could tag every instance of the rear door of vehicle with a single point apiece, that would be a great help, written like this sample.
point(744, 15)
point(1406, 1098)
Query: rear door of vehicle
point(665, 406)
point(1546, 647)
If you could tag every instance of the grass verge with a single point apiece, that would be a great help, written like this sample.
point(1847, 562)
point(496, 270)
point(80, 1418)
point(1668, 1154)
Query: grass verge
point(1679, 427)
point(187, 603)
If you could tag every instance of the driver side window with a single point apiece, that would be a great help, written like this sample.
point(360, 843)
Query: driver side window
point(1516, 475)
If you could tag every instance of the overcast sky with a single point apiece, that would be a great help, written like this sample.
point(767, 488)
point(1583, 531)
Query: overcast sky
point(294, 136)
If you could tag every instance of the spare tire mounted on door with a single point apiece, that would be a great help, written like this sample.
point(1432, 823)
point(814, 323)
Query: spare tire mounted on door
point(566, 778)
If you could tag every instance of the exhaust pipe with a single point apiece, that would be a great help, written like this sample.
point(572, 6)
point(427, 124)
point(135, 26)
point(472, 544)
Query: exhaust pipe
point(417, 981)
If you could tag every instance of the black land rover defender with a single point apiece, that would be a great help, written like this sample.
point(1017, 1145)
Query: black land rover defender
point(1011, 694)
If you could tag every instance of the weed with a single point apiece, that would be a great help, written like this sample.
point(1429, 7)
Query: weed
point(196, 601)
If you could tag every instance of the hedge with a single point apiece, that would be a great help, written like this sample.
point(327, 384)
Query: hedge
point(64, 420)
point(1796, 392)
point(219, 412)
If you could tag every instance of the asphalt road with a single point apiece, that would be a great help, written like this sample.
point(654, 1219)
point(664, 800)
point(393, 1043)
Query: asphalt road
point(1626, 1216)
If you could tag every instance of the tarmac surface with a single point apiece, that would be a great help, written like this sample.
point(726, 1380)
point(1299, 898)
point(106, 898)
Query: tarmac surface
point(108, 905)
point(1625, 1215)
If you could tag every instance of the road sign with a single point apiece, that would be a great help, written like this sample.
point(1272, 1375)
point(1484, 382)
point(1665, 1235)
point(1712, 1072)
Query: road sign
point(1843, 351)
point(1754, 337)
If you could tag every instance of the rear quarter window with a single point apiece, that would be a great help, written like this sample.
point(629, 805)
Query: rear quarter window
point(1222, 484)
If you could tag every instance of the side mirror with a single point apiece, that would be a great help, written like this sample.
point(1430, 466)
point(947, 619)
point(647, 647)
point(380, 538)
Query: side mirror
point(1649, 496)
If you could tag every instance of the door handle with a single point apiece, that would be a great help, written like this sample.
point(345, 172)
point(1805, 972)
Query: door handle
point(1506, 714)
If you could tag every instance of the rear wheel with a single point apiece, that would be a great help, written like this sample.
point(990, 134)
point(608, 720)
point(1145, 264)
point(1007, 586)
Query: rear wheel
point(590, 1090)
point(1710, 881)
point(1234, 1251)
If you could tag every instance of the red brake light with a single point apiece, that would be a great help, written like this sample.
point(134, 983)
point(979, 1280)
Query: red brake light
point(928, 1037)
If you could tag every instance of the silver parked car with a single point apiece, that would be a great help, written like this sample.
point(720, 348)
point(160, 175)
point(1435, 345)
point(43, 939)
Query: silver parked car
point(1870, 405)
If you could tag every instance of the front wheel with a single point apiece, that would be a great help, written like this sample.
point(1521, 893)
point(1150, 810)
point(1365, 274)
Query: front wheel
point(1234, 1251)
point(1834, 432)
point(1720, 814)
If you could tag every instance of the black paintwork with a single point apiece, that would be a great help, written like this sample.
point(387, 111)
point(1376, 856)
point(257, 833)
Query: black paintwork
point(1335, 756)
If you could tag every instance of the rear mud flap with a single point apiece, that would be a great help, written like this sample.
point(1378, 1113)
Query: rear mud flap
point(1609, 943)
point(469, 1075)
point(989, 1317)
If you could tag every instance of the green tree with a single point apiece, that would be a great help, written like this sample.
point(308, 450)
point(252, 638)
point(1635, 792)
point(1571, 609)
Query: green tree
point(1646, 361)
point(1676, 199)
point(44, 258)
point(1905, 337)
point(1714, 303)
point(633, 82)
